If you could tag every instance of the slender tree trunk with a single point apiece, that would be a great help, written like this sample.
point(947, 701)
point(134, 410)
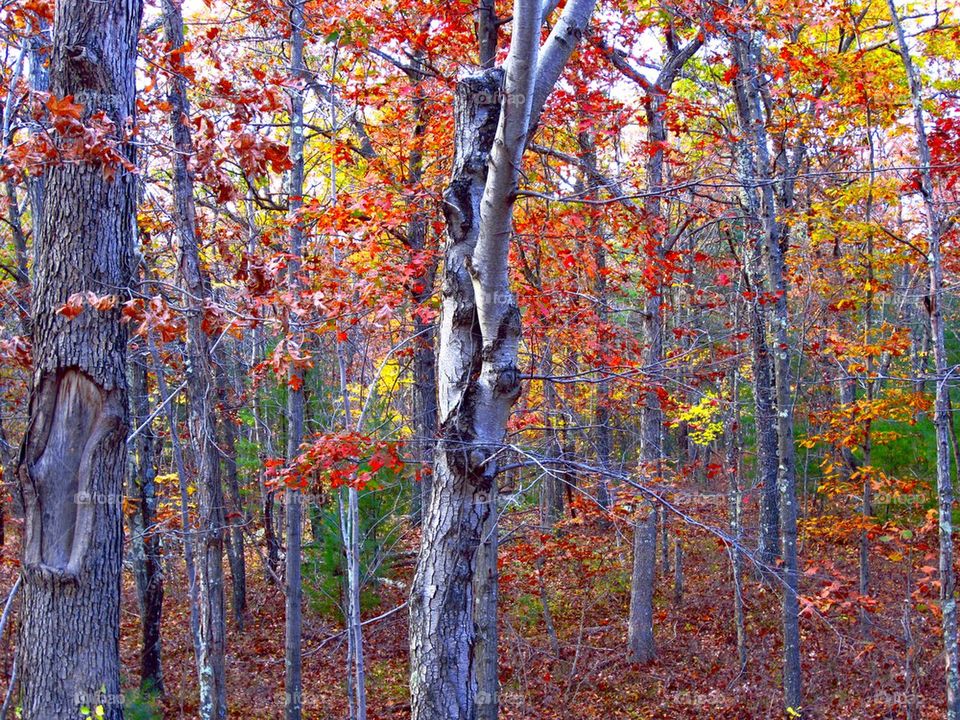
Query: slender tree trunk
point(38, 78)
point(238, 515)
point(73, 458)
point(768, 230)
point(295, 396)
point(201, 388)
point(485, 610)
point(941, 413)
point(186, 527)
point(145, 540)
point(732, 440)
point(640, 631)
point(677, 572)
point(601, 419)
point(424, 352)
point(765, 414)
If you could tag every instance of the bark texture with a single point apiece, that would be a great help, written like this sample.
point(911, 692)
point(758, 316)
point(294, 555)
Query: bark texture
point(295, 397)
point(767, 231)
point(73, 458)
point(145, 541)
point(941, 413)
point(441, 600)
point(479, 338)
point(640, 629)
point(201, 388)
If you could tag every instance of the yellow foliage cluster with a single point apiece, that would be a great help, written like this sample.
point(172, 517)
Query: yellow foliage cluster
point(702, 419)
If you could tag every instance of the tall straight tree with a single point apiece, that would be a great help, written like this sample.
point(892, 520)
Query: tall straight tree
point(72, 460)
point(145, 541)
point(767, 234)
point(478, 345)
point(941, 413)
point(295, 398)
point(201, 387)
point(640, 632)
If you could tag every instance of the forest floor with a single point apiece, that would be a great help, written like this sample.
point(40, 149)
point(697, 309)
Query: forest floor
point(582, 574)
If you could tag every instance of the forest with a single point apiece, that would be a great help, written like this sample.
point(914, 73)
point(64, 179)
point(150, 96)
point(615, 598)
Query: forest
point(479, 359)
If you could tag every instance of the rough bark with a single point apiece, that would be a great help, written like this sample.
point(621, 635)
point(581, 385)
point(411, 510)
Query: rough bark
point(479, 340)
point(767, 230)
point(145, 541)
point(73, 458)
point(640, 637)
point(441, 600)
point(295, 397)
point(487, 581)
point(201, 389)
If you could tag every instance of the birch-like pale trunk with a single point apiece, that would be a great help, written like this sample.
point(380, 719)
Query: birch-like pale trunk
point(293, 674)
point(477, 358)
point(941, 409)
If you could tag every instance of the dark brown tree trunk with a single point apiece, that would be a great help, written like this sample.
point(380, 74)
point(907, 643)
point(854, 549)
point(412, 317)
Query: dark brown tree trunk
point(73, 458)
point(238, 515)
point(145, 541)
point(425, 331)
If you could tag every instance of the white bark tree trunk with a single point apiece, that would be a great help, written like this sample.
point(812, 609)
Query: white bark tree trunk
point(941, 412)
point(293, 518)
point(477, 360)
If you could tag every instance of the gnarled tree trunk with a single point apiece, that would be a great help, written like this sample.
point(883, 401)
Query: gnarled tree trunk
point(73, 458)
point(479, 342)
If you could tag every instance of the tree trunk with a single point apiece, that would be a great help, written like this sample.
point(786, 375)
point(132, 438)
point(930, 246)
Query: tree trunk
point(73, 458)
point(479, 342)
point(441, 599)
point(295, 396)
point(487, 597)
point(766, 230)
point(145, 541)
point(941, 413)
point(186, 528)
point(238, 515)
point(640, 631)
point(425, 331)
point(201, 388)
point(732, 440)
